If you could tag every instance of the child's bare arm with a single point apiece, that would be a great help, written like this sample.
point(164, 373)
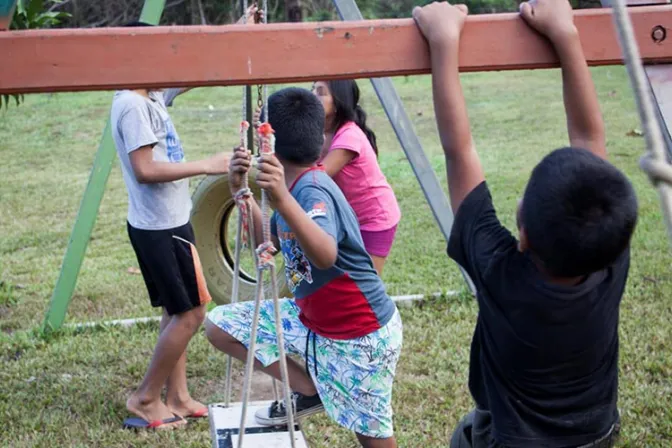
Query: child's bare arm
point(441, 24)
point(317, 245)
point(335, 161)
point(149, 171)
point(555, 20)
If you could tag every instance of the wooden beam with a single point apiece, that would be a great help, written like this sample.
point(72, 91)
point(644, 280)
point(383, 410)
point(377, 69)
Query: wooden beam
point(113, 58)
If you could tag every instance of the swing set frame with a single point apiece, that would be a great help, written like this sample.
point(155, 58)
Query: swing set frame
point(51, 61)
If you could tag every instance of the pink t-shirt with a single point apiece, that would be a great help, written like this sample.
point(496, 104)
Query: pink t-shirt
point(363, 183)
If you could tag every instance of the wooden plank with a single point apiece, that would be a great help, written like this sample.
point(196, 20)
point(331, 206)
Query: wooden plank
point(607, 3)
point(111, 58)
point(224, 427)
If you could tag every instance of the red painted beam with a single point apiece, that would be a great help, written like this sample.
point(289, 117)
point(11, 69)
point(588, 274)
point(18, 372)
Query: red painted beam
point(112, 58)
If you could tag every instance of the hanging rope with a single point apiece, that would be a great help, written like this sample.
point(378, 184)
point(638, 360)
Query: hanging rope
point(653, 163)
point(265, 262)
point(243, 228)
point(263, 256)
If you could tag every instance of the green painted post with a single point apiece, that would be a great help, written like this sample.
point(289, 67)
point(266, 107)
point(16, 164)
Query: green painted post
point(152, 10)
point(6, 13)
point(88, 209)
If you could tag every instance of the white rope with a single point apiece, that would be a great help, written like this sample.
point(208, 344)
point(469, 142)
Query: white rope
point(263, 257)
point(243, 235)
point(235, 292)
point(652, 162)
point(265, 262)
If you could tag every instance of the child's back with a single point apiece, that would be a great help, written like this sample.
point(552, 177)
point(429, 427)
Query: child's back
point(544, 356)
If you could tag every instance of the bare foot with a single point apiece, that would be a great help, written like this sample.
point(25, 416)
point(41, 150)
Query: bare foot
point(151, 411)
point(187, 408)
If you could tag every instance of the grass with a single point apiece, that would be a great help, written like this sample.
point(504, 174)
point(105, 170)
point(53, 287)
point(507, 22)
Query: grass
point(69, 389)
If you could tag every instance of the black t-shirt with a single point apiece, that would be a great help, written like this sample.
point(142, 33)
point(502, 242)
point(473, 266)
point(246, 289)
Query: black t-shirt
point(544, 358)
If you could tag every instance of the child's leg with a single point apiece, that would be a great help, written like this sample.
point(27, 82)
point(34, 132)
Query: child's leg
point(178, 399)
point(146, 402)
point(355, 378)
point(299, 381)
point(378, 245)
point(370, 442)
point(172, 271)
point(378, 264)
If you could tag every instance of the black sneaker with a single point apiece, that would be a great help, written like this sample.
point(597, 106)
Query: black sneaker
point(276, 414)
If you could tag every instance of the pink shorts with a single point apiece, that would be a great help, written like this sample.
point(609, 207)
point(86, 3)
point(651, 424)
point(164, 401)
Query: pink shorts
point(379, 243)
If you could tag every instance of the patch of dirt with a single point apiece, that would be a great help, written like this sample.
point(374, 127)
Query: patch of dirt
point(262, 386)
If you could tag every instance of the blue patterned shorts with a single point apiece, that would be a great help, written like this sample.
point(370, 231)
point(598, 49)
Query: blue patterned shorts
point(353, 377)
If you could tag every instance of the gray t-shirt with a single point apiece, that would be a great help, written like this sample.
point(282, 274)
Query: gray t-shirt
point(136, 122)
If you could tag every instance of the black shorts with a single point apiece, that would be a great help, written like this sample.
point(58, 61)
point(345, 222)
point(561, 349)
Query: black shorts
point(171, 268)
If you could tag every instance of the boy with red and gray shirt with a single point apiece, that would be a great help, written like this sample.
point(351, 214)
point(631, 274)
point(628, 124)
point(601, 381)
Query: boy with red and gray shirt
point(342, 322)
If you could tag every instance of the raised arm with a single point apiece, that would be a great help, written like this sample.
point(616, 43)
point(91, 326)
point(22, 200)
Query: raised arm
point(441, 24)
point(555, 20)
point(319, 246)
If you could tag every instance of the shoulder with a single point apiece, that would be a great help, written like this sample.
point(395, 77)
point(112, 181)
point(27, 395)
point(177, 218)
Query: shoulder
point(128, 98)
point(316, 184)
point(125, 101)
point(348, 133)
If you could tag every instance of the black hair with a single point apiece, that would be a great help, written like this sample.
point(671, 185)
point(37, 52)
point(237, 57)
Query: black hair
point(578, 211)
point(345, 94)
point(297, 117)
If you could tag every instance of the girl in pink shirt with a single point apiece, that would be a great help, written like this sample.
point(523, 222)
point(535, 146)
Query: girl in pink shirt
point(350, 157)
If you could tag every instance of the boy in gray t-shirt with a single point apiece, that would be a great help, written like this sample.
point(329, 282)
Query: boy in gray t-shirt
point(156, 175)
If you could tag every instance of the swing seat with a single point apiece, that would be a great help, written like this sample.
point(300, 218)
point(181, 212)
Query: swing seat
point(225, 426)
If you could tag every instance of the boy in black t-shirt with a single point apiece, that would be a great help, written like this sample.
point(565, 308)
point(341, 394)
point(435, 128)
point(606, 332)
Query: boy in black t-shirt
point(544, 356)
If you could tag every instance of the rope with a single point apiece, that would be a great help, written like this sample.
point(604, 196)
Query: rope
point(244, 224)
point(263, 256)
point(264, 119)
point(243, 232)
point(265, 262)
point(653, 163)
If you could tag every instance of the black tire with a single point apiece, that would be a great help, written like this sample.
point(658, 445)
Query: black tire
point(214, 218)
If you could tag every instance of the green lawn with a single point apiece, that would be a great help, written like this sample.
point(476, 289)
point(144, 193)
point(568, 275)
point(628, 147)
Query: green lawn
point(69, 389)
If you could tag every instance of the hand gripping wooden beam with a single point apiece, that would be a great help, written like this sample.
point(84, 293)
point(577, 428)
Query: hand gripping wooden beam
point(113, 58)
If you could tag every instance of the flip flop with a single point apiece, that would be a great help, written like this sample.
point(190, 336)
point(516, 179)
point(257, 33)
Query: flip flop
point(141, 423)
point(203, 413)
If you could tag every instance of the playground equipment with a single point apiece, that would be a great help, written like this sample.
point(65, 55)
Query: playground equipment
point(338, 50)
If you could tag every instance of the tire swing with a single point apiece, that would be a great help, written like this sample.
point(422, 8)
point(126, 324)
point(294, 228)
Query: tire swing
point(214, 217)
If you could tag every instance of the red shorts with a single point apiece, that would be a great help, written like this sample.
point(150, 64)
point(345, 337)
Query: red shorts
point(379, 243)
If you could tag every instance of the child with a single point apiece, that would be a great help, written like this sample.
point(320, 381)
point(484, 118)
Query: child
point(159, 206)
point(342, 321)
point(350, 158)
point(544, 356)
